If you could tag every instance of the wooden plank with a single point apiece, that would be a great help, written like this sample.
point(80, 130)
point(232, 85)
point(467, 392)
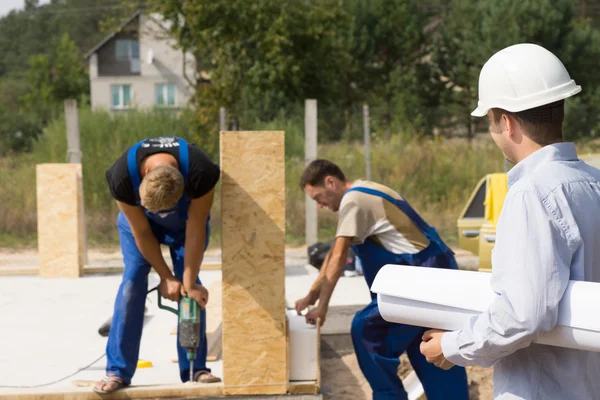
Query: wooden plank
point(253, 263)
point(19, 271)
point(306, 387)
point(180, 391)
point(83, 391)
point(60, 220)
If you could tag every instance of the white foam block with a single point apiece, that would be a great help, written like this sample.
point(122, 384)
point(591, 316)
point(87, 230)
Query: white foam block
point(304, 348)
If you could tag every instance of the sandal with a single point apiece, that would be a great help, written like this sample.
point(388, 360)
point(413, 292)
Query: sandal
point(108, 379)
point(205, 377)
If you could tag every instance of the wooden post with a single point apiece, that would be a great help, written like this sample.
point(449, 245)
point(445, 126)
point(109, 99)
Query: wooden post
point(60, 220)
point(222, 119)
point(367, 130)
point(74, 155)
point(72, 120)
point(310, 153)
point(255, 357)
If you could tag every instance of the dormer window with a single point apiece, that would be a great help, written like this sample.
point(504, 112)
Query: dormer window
point(128, 50)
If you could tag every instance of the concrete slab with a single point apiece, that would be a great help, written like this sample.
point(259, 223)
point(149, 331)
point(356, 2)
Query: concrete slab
point(50, 329)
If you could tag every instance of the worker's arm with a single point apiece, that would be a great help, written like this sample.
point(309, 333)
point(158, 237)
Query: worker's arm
point(531, 269)
point(333, 270)
point(195, 238)
point(150, 248)
point(315, 290)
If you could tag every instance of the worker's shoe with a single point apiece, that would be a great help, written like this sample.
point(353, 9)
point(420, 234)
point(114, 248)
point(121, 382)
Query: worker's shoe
point(205, 377)
point(109, 384)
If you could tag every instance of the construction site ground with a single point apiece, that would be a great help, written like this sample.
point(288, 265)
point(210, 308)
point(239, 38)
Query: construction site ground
point(50, 327)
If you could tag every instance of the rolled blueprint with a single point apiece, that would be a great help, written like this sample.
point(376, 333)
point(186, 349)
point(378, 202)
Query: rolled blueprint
point(446, 299)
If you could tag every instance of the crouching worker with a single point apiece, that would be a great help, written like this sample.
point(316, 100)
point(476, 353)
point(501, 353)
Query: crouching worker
point(164, 189)
point(382, 228)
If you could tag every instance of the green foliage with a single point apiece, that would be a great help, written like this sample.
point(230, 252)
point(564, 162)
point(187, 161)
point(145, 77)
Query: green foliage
point(437, 177)
point(285, 51)
point(53, 78)
point(18, 132)
point(472, 31)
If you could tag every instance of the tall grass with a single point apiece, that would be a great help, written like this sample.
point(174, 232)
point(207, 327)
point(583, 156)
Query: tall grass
point(436, 177)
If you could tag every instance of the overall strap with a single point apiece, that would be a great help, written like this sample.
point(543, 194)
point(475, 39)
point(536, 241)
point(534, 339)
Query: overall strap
point(184, 168)
point(401, 204)
point(184, 159)
point(134, 173)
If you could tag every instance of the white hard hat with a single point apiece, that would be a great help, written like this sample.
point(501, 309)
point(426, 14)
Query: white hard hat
point(521, 77)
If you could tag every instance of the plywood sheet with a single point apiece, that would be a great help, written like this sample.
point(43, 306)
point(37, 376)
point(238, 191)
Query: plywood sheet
point(255, 359)
point(60, 220)
point(179, 391)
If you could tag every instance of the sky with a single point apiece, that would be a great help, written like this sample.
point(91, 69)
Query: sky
point(7, 5)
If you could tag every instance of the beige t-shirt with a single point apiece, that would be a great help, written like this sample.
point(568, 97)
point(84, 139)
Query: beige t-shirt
point(364, 216)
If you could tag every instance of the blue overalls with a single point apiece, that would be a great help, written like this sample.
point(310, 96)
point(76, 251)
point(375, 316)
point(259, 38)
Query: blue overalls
point(168, 226)
point(378, 344)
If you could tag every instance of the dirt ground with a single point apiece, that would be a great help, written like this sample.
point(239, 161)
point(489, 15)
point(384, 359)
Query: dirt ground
point(341, 377)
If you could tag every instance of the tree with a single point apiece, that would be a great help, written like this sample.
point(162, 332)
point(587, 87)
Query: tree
point(388, 45)
point(54, 78)
point(472, 31)
point(285, 50)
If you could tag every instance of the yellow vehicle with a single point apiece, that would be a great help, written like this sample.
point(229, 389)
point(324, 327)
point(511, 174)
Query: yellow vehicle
point(477, 221)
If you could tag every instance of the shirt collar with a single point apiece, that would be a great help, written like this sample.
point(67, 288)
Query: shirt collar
point(564, 151)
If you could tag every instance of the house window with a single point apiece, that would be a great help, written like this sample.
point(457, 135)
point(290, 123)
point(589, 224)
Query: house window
point(128, 50)
point(121, 96)
point(165, 94)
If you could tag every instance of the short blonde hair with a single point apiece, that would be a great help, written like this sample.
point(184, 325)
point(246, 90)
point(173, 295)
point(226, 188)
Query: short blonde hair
point(161, 188)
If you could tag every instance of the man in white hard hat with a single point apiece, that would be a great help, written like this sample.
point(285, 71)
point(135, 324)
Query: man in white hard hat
point(548, 233)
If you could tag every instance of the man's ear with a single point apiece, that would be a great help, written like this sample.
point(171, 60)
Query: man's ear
point(329, 181)
point(509, 125)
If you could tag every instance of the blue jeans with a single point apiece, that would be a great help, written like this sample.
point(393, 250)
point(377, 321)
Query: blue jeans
point(122, 349)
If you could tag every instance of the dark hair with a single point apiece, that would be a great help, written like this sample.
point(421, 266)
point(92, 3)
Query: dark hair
point(315, 173)
point(543, 124)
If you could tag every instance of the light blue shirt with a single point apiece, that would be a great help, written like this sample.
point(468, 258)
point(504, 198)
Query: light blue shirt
point(547, 234)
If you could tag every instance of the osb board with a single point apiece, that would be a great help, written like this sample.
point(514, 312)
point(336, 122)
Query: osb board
point(135, 392)
point(253, 262)
point(18, 271)
point(179, 391)
point(305, 387)
point(60, 220)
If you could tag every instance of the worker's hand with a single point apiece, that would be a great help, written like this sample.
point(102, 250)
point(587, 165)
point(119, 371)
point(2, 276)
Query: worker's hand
point(303, 303)
point(170, 288)
point(198, 293)
point(317, 314)
point(431, 348)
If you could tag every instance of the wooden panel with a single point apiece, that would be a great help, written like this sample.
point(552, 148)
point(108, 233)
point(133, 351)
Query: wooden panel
point(83, 391)
point(253, 263)
point(180, 391)
point(308, 387)
point(60, 220)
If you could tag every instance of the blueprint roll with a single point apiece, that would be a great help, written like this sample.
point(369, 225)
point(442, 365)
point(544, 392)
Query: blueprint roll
point(446, 299)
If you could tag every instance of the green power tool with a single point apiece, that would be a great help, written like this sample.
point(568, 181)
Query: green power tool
point(189, 326)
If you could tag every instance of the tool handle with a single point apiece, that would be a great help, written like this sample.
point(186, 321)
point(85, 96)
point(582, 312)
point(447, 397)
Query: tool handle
point(160, 304)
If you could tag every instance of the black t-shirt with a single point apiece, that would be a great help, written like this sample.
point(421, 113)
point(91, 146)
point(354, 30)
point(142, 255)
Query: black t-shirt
point(203, 173)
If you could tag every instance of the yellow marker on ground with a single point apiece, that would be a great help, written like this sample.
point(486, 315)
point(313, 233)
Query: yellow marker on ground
point(144, 364)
